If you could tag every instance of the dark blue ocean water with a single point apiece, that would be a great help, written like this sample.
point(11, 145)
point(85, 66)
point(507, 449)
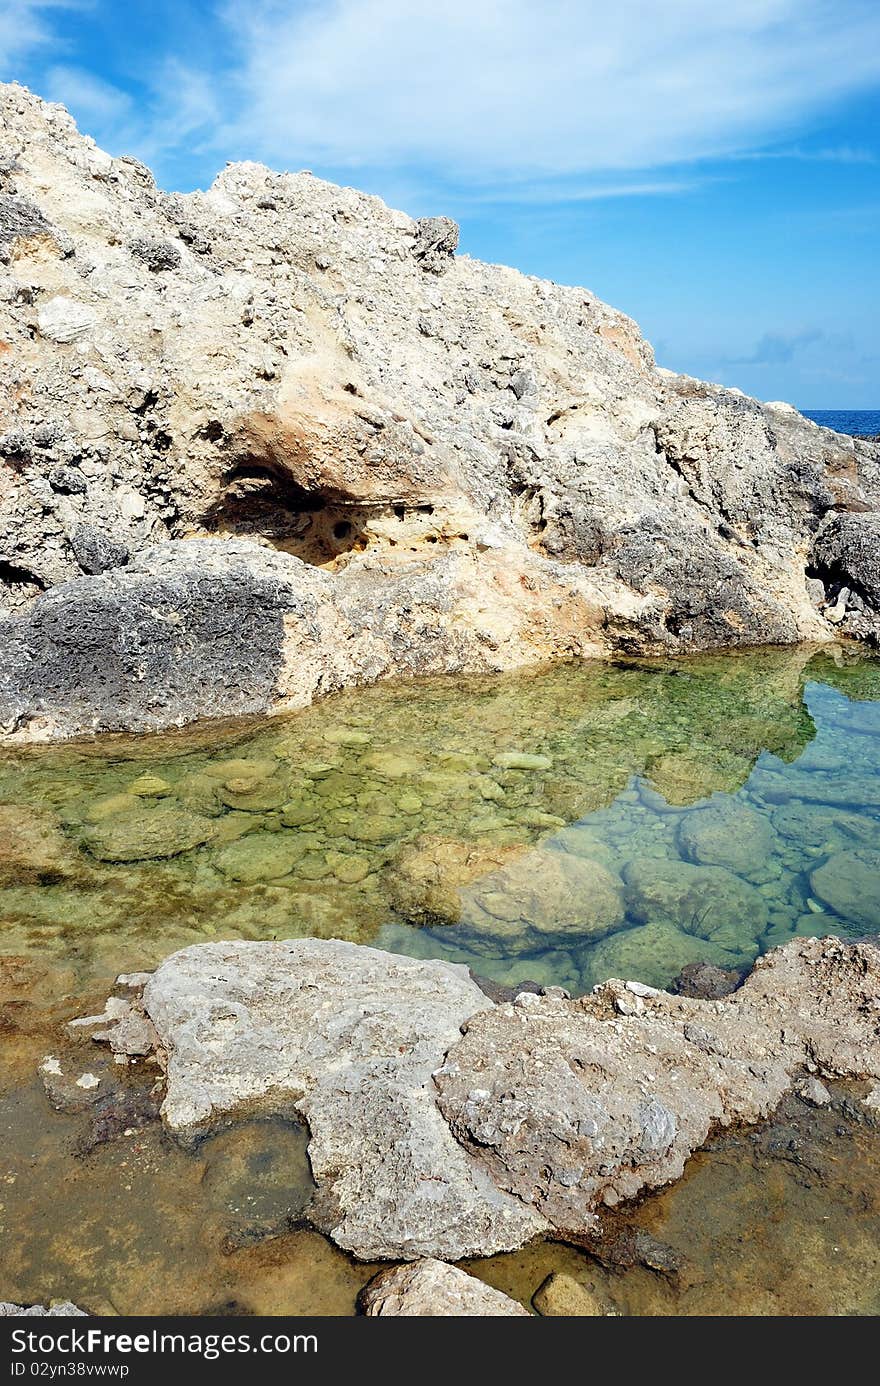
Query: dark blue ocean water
point(846, 420)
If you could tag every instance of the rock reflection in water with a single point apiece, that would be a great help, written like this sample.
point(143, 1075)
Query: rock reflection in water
point(564, 825)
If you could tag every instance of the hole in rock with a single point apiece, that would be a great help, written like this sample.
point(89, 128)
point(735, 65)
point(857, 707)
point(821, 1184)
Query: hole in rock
point(260, 501)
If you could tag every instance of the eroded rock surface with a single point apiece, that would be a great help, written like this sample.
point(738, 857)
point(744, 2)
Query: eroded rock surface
point(575, 1105)
point(348, 1037)
point(427, 1142)
point(274, 438)
point(433, 1289)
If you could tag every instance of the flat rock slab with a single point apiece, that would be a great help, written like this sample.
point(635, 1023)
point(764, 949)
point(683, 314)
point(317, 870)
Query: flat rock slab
point(432, 1289)
point(348, 1037)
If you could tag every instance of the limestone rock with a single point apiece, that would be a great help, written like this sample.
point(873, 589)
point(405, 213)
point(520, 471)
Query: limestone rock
point(571, 1104)
point(348, 1037)
point(433, 1289)
point(396, 460)
point(562, 1296)
point(426, 1142)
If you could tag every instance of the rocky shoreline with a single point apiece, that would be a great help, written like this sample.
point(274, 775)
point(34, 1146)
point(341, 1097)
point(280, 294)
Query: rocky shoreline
point(276, 439)
point(443, 1125)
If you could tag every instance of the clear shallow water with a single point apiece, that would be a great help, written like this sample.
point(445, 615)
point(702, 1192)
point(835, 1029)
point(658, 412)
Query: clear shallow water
point(860, 421)
point(561, 825)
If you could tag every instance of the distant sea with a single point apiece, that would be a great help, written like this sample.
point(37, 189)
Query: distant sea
point(846, 420)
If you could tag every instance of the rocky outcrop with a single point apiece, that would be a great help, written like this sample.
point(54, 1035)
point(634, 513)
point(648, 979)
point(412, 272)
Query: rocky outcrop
point(278, 417)
point(433, 1289)
point(578, 1105)
point(429, 1142)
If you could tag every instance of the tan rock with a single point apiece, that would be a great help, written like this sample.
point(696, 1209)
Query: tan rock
point(434, 1289)
point(561, 1296)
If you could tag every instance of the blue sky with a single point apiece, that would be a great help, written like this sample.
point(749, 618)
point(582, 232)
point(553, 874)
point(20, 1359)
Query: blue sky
point(715, 174)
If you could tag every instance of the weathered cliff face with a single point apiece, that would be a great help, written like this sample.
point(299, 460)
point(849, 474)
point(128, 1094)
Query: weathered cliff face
point(486, 468)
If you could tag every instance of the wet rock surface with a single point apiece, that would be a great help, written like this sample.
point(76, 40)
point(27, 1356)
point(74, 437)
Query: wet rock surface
point(399, 461)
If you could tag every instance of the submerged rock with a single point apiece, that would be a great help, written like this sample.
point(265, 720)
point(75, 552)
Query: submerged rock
point(850, 883)
point(727, 833)
point(561, 1296)
point(33, 847)
point(433, 1289)
point(706, 901)
point(653, 953)
point(705, 982)
point(546, 893)
point(147, 834)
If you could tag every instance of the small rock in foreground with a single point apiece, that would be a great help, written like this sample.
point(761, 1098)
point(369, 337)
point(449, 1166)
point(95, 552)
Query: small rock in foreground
point(433, 1289)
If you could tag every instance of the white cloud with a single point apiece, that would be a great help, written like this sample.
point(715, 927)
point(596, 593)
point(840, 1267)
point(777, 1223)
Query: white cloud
point(510, 89)
point(25, 26)
point(98, 104)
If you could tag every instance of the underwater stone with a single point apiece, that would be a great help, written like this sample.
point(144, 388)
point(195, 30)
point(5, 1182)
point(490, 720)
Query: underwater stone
point(521, 760)
point(33, 848)
point(151, 834)
point(259, 856)
point(656, 953)
point(149, 786)
point(562, 1296)
point(707, 901)
point(426, 878)
point(549, 893)
point(251, 793)
point(850, 883)
point(727, 833)
point(811, 825)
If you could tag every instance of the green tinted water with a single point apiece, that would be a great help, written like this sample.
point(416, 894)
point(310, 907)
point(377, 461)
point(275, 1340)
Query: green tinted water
point(562, 826)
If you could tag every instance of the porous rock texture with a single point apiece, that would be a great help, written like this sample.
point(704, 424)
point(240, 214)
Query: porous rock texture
point(433, 1289)
point(429, 1142)
point(278, 419)
point(347, 1037)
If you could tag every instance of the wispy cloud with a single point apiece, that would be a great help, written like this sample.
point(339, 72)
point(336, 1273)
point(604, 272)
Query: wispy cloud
point(25, 27)
point(781, 348)
point(829, 154)
point(510, 87)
